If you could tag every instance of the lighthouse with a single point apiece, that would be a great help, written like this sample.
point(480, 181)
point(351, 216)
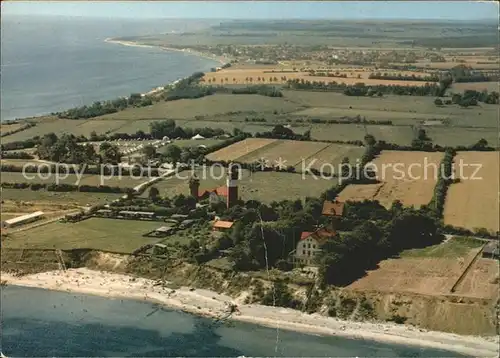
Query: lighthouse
point(232, 185)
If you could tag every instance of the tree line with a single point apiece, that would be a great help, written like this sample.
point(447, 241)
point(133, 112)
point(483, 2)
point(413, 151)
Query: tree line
point(65, 187)
point(361, 89)
point(401, 77)
point(20, 129)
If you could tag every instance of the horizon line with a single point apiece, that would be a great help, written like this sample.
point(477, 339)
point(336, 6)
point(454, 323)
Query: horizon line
point(492, 19)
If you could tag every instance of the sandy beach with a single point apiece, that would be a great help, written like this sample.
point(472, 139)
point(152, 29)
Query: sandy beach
point(211, 304)
point(186, 50)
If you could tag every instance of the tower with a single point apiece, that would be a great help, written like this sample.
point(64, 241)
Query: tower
point(194, 186)
point(232, 184)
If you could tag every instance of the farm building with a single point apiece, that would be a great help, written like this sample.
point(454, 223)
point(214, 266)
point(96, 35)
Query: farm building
point(24, 219)
point(179, 216)
point(164, 230)
point(187, 223)
point(137, 214)
point(221, 225)
point(160, 249)
point(310, 243)
point(333, 208)
point(104, 213)
point(491, 250)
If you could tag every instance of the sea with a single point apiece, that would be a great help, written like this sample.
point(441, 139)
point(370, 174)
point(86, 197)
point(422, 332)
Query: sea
point(51, 63)
point(43, 323)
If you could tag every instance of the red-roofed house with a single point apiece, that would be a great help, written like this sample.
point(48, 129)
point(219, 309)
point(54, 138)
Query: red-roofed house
point(221, 225)
point(333, 208)
point(214, 195)
point(310, 244)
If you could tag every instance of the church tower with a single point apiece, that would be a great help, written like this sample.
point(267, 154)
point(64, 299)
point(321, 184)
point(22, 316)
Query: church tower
point(194, 186)
point(232, 185)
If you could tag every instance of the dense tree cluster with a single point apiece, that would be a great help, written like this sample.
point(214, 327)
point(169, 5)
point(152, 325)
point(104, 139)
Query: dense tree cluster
point(65, 149)
point(463, 73)
point(20, 145)
point(168, 128)
point(279, 131)
point(99, 108)
point(192, 92)
point(472, 97)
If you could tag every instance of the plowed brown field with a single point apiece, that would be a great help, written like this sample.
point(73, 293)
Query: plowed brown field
point(403, 176)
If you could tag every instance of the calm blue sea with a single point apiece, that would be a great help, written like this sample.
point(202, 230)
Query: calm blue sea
point(52, 63)
point(41, 323)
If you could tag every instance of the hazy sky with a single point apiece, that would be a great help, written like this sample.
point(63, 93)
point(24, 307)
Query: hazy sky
point(261, 9)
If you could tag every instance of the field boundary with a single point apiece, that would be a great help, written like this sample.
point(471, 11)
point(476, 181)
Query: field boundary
point(466, 270)
point(263, 148)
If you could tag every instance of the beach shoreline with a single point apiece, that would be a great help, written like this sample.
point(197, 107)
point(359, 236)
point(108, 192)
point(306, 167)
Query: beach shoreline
point(186, 50)
point(211, 304)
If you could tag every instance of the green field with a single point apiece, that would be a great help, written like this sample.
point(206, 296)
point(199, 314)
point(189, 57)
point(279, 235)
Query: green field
point(227, 112)
point(61, 126)
point(455, 136)
point(455, 247)
point(76, 198)
point(206, 106)
point(402, 135)
point(262, 186)
point(123, 181)
point(399, 109)
point(95, 233)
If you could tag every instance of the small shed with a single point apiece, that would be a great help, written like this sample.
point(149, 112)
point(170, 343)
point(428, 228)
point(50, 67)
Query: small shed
point(164, 230)
point(491, 250)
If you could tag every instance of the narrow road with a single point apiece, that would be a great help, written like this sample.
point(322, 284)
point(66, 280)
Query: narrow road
point(450, 236)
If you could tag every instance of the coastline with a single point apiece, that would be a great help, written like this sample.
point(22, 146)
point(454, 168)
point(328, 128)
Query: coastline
point(211, 304)
point(186, 50)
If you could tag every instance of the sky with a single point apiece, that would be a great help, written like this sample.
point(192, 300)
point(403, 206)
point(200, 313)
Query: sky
point(445, 10)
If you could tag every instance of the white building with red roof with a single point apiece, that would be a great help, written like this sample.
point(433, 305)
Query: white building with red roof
point(310, 244)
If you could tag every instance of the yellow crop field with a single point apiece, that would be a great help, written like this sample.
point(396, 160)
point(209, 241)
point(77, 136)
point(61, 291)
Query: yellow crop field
point(474, 203)
point(240, 149)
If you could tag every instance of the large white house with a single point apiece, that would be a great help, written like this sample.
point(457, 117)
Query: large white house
point(309, 245)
